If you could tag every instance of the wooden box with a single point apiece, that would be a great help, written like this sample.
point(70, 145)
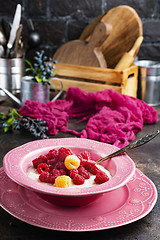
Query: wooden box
point(93, 79)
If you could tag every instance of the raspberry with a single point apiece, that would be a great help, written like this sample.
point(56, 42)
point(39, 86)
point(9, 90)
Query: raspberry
point(53, 175)
point(78, 179)
point(86, 155)
point(62, 172)
point(101, 177)
point(52, 154)
point(52, 157)
point(51, 167)
point(72, 161)
point(43, 167)
point(88, 164)
point(73, 172)
point(63, 181)
point(63, 153)
point(38, 160)
point(60, 165)
point(83, 172)
point(80, 157)
point(44, 177)
point(94, 169)
point(51, 161)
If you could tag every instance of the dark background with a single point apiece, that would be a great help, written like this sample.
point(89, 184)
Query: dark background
point(59, 21)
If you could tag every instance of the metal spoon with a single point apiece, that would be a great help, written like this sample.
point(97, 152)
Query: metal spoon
point(130, 146)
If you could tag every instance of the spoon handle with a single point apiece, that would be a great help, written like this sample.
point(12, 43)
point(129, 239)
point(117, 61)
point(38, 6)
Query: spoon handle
point(130, 146)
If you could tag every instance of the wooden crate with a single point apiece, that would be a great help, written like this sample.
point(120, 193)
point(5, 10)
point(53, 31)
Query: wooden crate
point(93, 79)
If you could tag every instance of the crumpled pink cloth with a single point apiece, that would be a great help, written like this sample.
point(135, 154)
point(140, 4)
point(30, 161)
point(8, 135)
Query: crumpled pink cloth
point(112, 117)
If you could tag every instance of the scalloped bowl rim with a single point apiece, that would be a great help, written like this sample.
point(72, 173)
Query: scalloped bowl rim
point(15, 160)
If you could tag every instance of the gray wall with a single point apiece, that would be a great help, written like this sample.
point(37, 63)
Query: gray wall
point(59, 21)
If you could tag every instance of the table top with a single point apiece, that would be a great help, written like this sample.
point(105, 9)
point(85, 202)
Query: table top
point(147, 160)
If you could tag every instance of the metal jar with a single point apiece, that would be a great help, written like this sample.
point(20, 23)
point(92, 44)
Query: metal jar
point(16, 72)
point(33, 90)
point(149, 81)
point(5, 78)
point(11, 72)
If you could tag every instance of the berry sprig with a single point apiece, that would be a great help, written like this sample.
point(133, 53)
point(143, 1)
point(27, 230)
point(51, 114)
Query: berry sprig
point(41, 70)
point(9, 121)
point(14, 121)
point(36, 127)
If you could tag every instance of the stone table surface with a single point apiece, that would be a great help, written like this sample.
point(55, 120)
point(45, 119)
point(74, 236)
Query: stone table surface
point(146, 158)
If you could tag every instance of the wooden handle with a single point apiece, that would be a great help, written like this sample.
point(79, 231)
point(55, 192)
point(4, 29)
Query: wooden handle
point(18, 35)
point(129, 57)
point(136, 46)
point(99, 35)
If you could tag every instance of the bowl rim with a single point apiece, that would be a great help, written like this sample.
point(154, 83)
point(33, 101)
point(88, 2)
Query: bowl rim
point(14, 160)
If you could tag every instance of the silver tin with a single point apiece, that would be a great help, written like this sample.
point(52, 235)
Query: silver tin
point(17, 72)
point(149, 81)
point(33, 91)
point(11, 72)
point(5, 77)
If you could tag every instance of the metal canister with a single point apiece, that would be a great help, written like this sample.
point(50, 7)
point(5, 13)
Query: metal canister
point(33, 90)
point(17, 72)
point(11, 72)
point(149, 81)
point(5, 77)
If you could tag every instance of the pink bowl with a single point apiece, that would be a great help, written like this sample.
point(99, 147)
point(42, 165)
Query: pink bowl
point(18, 161)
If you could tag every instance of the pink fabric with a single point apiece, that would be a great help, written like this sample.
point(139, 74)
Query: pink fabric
point(112, 117)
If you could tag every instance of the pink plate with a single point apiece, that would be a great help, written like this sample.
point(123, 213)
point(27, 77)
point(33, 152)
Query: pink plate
point(17, 162)
point(113, 209)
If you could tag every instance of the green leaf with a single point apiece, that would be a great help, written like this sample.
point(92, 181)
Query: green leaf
point(6, 129)
point(38, 79)
point(9, 110)
point(54, 73)
point(28, 69)
point(16, 114)
point(29, 63)
point(2, 116)
point(10, 121)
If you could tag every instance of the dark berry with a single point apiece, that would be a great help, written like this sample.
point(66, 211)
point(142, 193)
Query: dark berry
point(43, 136)
point(36, 127)
point(38, 120)
point(43, 122)
point(24, 120)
